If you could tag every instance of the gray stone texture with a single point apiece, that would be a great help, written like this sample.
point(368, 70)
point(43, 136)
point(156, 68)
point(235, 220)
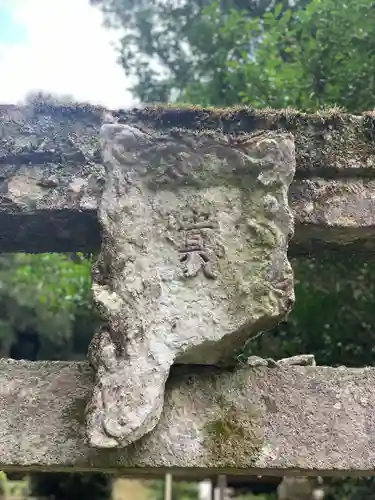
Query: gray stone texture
point(51, 173)
point(309, 420)
point(193, 263)
point(275, 420)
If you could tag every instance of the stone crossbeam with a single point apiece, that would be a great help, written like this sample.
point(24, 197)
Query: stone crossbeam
point(51, 173)
point(274, 421)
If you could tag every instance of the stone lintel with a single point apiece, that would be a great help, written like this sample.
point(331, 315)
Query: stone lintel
point(275, 421)
point(51, 172)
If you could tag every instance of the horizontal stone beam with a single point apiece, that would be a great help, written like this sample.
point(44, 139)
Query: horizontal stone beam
point(51, 172)
point(275, 421)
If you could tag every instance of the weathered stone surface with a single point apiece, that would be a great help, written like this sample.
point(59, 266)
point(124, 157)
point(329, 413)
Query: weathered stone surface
point(50, 180)
point(193, 263)
point(310, 420)
point(51, 172)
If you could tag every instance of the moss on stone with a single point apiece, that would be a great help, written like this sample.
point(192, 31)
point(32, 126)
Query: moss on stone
point(329, 139)
point(242, 119)
point(75, 414)
point(234, 438)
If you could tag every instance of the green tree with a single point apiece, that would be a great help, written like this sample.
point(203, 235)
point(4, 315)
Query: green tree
point(321, 54)
point(161, 39)
point(318, 53)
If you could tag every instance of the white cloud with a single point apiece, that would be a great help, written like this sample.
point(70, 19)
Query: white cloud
point(67, 51)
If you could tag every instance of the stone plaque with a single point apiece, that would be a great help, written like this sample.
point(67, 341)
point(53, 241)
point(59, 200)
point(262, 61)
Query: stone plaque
point(195, 230)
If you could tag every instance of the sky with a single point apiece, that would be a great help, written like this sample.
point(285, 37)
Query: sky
point(59, 46)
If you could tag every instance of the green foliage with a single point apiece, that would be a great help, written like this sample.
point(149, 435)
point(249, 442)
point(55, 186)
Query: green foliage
point(161, 40)
point(317, 55)
point(3, 483)
point(47, 292)
point(50, 282)
point(333, 315)
point(358, 488)
point(314, 54)
point(72, 486)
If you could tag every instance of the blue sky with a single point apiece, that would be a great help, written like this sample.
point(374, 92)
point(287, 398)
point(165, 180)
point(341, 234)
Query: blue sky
point(59, 46)
point(11, 31)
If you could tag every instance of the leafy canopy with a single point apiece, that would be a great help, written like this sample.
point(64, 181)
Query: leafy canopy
point(316, 53)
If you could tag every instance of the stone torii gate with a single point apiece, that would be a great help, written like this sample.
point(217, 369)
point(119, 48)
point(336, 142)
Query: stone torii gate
point(191, 211)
